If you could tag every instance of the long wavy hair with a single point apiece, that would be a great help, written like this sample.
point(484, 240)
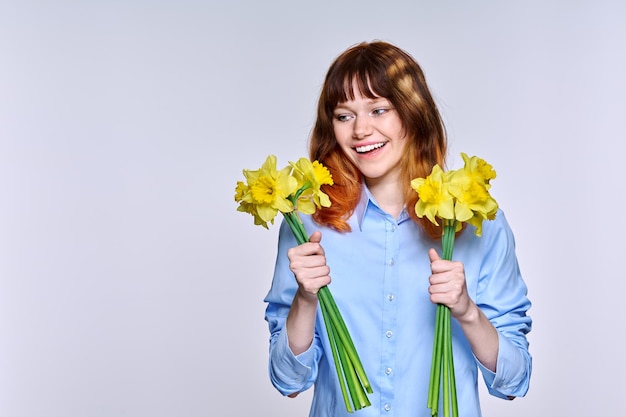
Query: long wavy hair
point(379, 69)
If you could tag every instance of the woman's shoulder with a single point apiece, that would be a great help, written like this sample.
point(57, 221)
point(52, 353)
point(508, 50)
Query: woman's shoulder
point(492, 230)
point(500, 222)
point(497, 231)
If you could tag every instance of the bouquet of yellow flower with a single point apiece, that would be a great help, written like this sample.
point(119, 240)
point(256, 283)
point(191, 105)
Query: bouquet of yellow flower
point(454, 197)
point(294, 189)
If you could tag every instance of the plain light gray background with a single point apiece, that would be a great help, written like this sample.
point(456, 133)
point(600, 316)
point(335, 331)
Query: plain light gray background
point(129, 284)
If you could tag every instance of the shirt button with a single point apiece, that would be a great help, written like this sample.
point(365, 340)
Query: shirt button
point(392, 261)
point(388, 371)
point(390, 296)
point(389, 333)
point(387, 407)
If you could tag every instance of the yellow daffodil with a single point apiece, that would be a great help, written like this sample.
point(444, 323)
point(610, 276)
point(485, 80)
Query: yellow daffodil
point(470, 188)
point(268, 190)
point(434, 197)
point(478, 169)
point(311, 176)
point(240, 191)
point(457, 197)
point(297, 188)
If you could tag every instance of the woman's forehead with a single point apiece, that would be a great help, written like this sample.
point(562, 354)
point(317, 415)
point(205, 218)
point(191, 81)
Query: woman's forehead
point(359, 86)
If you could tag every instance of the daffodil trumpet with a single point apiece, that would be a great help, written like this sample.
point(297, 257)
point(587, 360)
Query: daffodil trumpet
point(297, 188)
point(454, 197)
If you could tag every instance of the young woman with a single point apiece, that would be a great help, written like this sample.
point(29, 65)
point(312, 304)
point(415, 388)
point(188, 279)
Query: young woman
point(377, 128)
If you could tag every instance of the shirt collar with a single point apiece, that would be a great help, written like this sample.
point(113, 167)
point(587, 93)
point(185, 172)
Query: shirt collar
point(366, 200)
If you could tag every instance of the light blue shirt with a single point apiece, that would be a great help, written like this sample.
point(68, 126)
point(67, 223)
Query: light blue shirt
point(380, 274)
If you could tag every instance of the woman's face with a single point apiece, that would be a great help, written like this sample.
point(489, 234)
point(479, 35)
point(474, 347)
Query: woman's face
point(370, 133)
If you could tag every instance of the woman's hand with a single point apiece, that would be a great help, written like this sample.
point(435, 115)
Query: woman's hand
point(447, 285)
point(308, 264)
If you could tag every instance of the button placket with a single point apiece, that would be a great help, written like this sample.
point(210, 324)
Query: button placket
point(389, 316)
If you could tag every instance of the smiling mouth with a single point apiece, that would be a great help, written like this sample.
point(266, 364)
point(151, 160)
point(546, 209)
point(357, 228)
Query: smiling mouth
point(369, 148)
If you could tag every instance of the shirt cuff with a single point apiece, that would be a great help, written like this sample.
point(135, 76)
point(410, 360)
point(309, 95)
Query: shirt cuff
point(290, 373)
point(510, 378)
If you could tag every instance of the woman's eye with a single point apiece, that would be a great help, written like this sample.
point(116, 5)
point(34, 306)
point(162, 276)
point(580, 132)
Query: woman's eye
point(342, 117)
point(379, 112)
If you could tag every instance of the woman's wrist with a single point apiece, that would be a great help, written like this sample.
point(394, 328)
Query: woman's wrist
point(471, 316)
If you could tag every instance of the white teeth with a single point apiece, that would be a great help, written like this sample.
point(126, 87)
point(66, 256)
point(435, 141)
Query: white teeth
point(367, 148)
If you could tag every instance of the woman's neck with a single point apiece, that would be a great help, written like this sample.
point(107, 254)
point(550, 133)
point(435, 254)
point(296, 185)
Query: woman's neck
point(388, 195)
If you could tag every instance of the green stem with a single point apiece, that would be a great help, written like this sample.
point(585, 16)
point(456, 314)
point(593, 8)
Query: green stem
point(451, 377)
point(435, 378)
point(446, 363)
point(355, 388)
point(326, 297)
point(442, 361)
point(296, 227)
point(447, 240)
point(350, 371)
point(332, 337)
point(350, 364)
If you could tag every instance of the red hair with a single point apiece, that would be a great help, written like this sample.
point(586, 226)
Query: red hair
point(379, 69)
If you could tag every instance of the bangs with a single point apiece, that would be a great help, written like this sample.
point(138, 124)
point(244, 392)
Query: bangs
point(367, 74)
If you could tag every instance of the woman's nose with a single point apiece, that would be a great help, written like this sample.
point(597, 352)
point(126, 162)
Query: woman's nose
point(362, 127)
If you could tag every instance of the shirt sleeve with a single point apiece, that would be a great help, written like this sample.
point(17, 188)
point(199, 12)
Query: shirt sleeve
point(289, 373)
point(502, 296)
